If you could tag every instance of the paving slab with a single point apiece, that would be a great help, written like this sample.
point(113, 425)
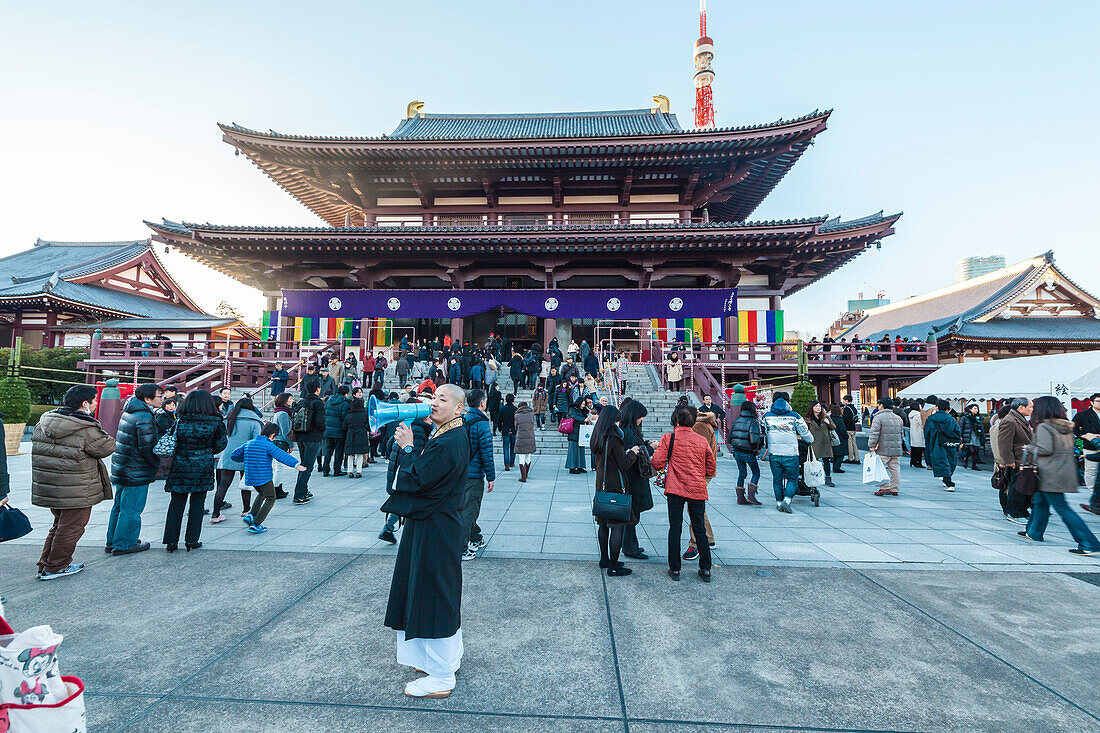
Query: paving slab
point(798, 648)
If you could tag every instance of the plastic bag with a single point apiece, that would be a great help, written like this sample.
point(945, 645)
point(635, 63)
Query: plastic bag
point(874, 472)
point(813, 472)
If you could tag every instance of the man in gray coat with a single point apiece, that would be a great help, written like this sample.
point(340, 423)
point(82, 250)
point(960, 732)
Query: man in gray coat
point(884, 440)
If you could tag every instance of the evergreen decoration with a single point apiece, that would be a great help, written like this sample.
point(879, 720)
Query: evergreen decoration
point(15, 400)
point(801, 397)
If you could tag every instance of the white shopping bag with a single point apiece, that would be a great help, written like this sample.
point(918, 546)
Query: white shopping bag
point(64, 716)
point(28, 667)
point(813, 472)
point(874, 472)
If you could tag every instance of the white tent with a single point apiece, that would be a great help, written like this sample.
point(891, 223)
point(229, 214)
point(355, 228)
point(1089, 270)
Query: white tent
point(1027, 376)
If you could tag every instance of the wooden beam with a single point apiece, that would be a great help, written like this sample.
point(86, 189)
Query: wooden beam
point(422, 190)
point(490, 192)
point(557, 192)
point(624, 193)
point(689, 189)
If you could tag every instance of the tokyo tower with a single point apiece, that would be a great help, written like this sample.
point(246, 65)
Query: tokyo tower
point(704, 75)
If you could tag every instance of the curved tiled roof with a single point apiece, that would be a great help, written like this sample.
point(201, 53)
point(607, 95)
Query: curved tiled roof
point(1031, 328)
point(68, 259)
point(549, 125)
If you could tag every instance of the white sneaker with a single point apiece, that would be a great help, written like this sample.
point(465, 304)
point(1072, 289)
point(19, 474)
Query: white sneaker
point(470, 553)
point(949, 488)
point(430, 687)
point(479, 544)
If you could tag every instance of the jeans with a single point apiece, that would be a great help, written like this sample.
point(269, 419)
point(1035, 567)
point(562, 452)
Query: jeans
point(175, 517)
point(307, 450)
point(575, 457)
point(124, 527)
point(540, 420)
point(68, 527)
point(784, 470)
point(745, 463)
point(1040, 515)
point(334, 448)
point(509, 440)
point(391, 522)
point(471, 508)
point(696, 509)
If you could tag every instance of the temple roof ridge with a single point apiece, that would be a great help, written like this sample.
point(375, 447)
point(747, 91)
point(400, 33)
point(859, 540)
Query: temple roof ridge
point(545, 125)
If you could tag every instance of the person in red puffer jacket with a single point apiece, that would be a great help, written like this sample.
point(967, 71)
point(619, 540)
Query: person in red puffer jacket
point(690, 463)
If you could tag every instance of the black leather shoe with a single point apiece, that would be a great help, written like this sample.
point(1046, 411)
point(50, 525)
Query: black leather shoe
point(674, 574)
point(636, 555)
point(705, 575)
point(839, 470)
point(138, 547)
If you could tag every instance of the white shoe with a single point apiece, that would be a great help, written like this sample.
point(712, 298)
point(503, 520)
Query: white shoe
point(430, 687)
point(948, 488)
point(470, 553)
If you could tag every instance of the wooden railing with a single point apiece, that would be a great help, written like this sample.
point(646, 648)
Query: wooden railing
point(909, 353)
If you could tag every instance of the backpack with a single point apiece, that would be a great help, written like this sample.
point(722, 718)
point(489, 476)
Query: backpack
point(299, 423)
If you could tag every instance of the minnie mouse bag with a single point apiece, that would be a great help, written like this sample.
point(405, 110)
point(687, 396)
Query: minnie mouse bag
point(34, 697)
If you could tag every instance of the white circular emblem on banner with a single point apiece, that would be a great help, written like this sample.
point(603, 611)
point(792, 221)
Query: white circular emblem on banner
point(334, 304)
point(454, 304)
point(551, 304)
point(675, 304)
point(613, 304)
point(393, 304)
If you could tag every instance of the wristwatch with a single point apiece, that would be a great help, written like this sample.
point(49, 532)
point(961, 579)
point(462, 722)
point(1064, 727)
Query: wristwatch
point(408, 449)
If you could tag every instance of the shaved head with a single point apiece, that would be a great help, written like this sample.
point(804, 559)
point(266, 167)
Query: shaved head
point(449, 402)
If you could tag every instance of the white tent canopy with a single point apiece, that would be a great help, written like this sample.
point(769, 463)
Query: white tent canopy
point(1027, 376)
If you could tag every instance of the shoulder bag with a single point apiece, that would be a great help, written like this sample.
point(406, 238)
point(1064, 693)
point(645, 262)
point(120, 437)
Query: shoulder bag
point(813, 472)
point(565, 426)
point(612, 506)
point(1027, 478)
point(166, 445)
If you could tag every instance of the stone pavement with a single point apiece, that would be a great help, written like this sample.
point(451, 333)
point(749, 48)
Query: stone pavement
point(549, 517)
point(245, 641)
point(864, 614)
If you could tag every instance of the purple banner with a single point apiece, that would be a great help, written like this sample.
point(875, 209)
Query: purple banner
point(560, 303)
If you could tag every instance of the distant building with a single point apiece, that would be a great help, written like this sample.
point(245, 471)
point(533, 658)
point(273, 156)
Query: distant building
point(59, 293)
point(969, 268)
point(1029, 308)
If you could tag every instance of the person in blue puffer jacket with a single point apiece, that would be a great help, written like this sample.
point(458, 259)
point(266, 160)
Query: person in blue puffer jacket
point(256, 456)
point(481, 472)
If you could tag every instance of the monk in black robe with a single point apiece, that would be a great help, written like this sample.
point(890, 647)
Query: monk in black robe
point(426, 591)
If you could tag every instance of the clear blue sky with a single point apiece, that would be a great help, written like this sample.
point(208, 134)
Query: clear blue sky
point(974, 117)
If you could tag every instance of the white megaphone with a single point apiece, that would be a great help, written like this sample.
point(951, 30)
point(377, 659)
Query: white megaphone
point(383, 413)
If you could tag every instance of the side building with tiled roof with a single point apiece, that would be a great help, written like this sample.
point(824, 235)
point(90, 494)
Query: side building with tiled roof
point(59, 293)
point(1028, 308)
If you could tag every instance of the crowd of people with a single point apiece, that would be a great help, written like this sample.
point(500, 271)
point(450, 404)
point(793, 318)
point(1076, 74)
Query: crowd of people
point(323, 426)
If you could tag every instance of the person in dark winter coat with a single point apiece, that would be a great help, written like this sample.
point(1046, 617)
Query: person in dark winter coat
point(641, 495)
point(421, 429)
point(493, 400)
point(515, 371)
point(200, 436)
point(279, 379)
point(336, 407)
point(973, 436)
point(745, 439)
point(941, 436)
point(507, 424)
point(356, 437)
point(426, 592)
point(613, 461)
point(133, 467)
point(524, 420)
point(481, 473)
point(592, 365)
point(309, 440)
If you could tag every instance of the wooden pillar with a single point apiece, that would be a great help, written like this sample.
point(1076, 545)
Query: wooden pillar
point(834, 392)
point(549, 330)
point(883, 384)
point(456, 330)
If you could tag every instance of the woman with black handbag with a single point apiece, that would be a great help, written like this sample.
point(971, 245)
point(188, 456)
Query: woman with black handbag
point(612, 504)
point(1056, 472)
point(637, 478)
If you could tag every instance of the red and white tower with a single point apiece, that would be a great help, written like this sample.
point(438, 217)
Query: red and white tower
point(704, 75)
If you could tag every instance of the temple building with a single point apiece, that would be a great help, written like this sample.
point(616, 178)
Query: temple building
point(60, 293)
point(1029, 308)
point(530, 226)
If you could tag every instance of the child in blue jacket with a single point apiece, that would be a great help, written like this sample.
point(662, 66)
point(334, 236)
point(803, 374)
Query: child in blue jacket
point(256, 456)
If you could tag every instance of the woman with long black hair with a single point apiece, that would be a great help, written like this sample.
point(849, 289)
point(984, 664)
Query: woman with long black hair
point(200, 435)
point(613, 460)
point(641, 496)
point(242, 425)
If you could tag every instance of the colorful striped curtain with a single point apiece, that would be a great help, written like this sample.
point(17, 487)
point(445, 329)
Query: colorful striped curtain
point(269, 327)
point(680, 329)
point(760, 326)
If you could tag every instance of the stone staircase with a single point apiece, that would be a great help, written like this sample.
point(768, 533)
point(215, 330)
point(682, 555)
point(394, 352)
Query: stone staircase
point(642, 384)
